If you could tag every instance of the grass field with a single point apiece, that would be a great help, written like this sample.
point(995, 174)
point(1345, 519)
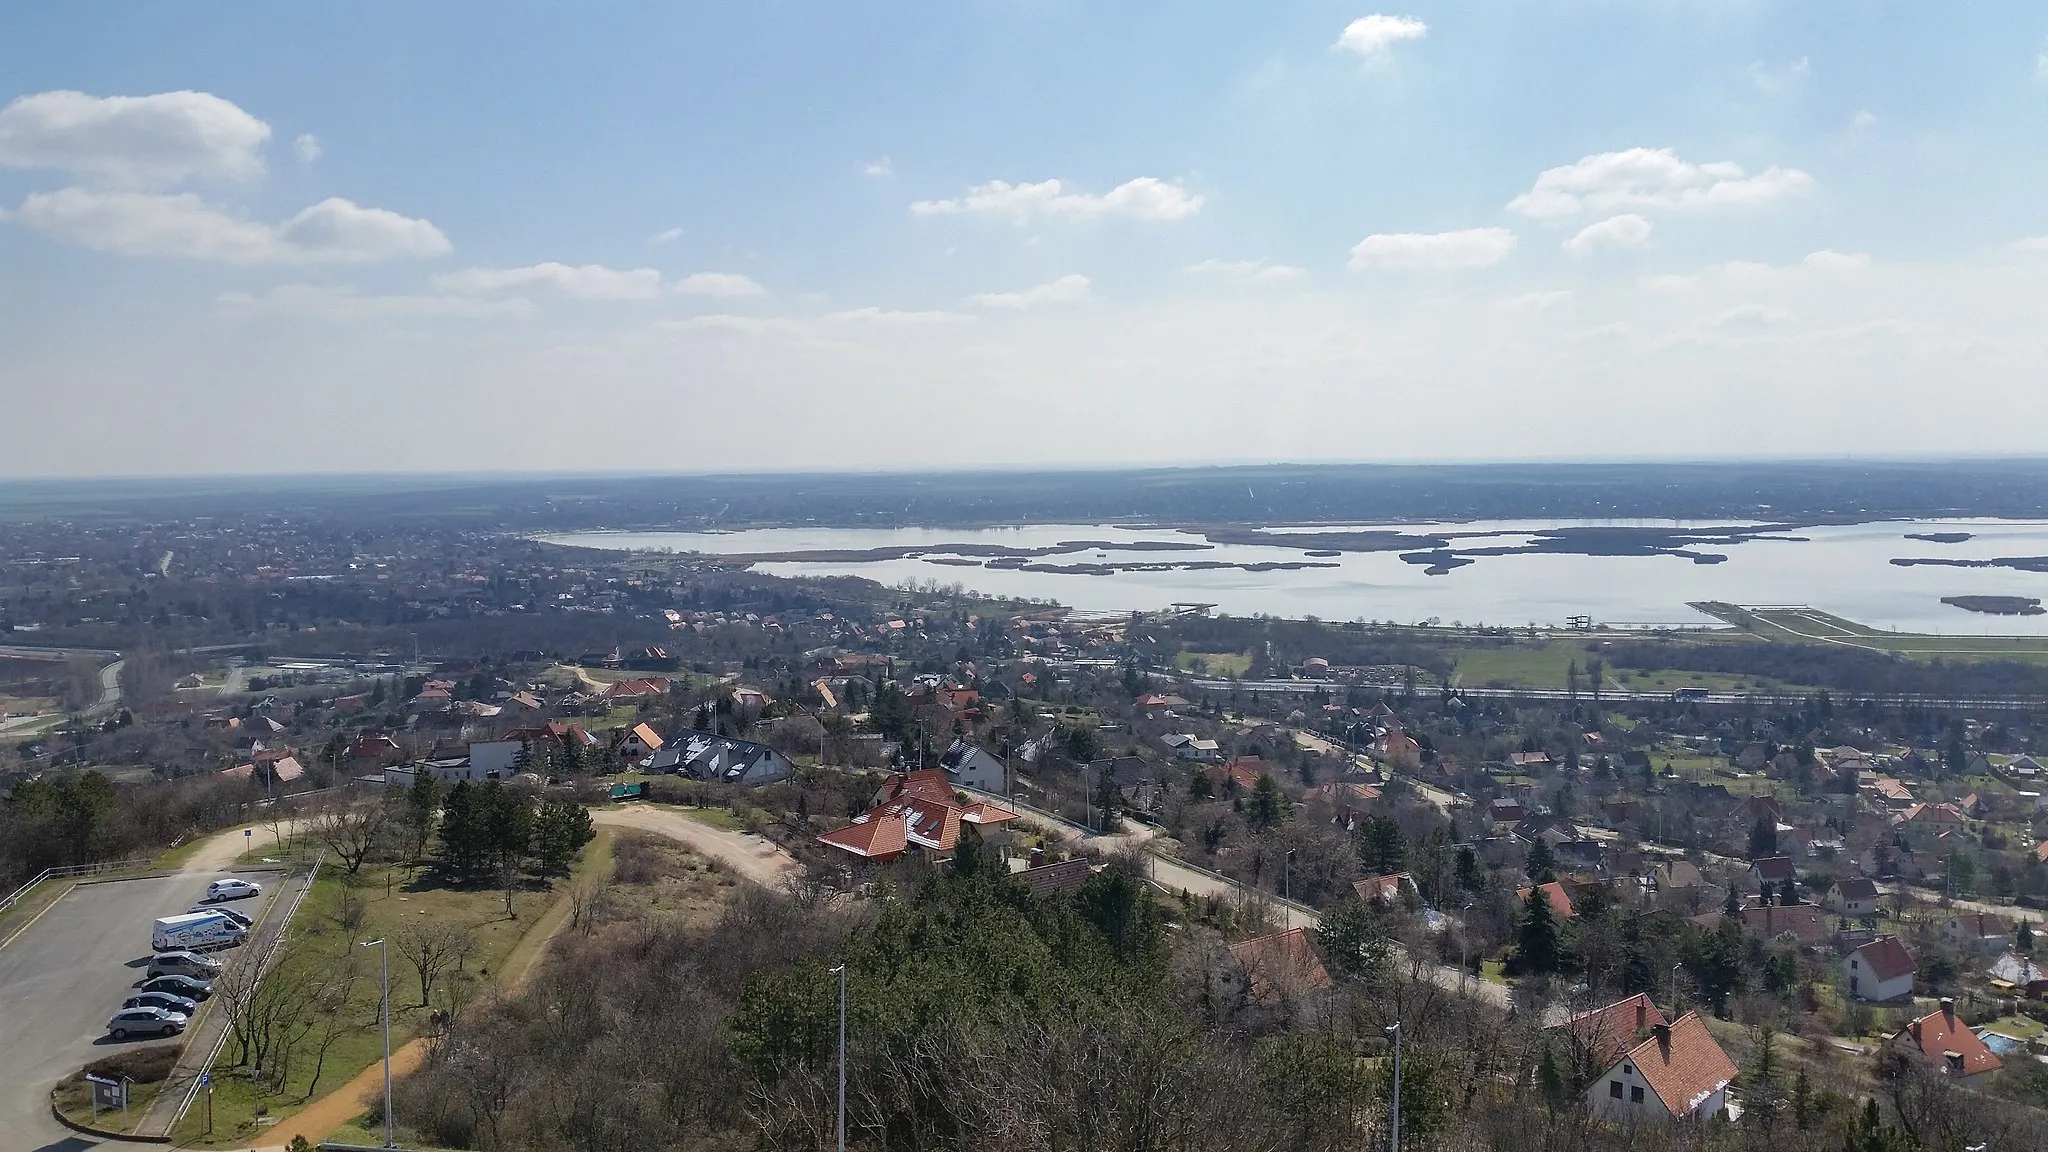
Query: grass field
point(1806, 625)
point(1215, 663)
point(387, 898)
point(1544, 664)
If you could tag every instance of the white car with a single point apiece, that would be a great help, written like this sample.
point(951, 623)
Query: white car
point(232, 889)
point(146, 1021)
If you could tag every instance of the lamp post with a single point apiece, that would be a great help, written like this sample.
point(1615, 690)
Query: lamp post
point(1394, 1141)
point(1464, 914)
point(1674, 988)
point(384, 1011)
point(1287, 877)
point(842, 1056)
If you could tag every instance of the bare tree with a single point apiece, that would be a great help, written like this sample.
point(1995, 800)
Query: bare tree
point(430, 948)
point(351, 832)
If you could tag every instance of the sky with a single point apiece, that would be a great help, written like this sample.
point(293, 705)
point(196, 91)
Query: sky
point(809, 236)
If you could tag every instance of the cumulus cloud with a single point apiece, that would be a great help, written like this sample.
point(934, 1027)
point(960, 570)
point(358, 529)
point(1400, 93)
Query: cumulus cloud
point(154, 224)
point(1145, 198)
point(1537, 301)
point(1071, 289)
point(724, 284)
point(133, 141)
point(2031, 244)
point(588, 281)
point(1373, 37)
point(666, 236)
point(307, 148)
point(1776, 81)
point(1624, 231)
point(1827, 259)
point(1434, 251)
point(325, 302)
point(1863, 121)
point(1257, 270)
point(1651, 178)
point(880, 167)
point(873, 315)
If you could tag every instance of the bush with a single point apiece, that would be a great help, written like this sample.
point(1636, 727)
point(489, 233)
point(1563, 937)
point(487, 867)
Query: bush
point(142, 1065)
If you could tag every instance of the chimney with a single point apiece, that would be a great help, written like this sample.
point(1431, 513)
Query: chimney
point(1663, 1034)
point(1948, 1011)
point(1642, 1014)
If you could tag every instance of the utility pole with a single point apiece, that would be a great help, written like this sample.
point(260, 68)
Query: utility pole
point(842, 1056)
point(1394, 1143)
point(1674, 989)
point(1287, 877)
point(384, 1010)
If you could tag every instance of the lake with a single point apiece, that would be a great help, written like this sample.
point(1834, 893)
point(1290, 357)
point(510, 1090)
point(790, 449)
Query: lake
point(1844, 569)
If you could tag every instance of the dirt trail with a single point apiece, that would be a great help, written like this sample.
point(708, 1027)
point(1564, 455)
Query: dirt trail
point(222, 849)
point(755, 857)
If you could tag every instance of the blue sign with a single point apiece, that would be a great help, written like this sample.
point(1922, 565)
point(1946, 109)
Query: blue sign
point(205, 1078)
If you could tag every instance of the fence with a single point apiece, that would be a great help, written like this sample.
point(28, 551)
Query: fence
point(70, 870)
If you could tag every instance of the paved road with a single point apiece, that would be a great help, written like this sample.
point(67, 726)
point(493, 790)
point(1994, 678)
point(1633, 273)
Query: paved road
point(755, 857)
point(1612, 696)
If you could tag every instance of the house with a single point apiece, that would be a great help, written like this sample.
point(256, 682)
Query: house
point(1941, 1040)
point(1803, 922)
point(266, 771)
point(1679, 1073)
point(1606, 1034)
point(637, 691)
point(1275, 967)
point(969, 765)
point(1505, 813)
point(752, 699)
point(373, 750)
point(1241, 774)
point(1771, 871)
point(1983, 931)
point(875, 840)
point(493, 759)
point(1154, 702)
point(1854, 896)
point(1880, 970)
point(702, 756)
point(554, 734)
point(1343, 793)
point(1554, 894)
point(1048, 880)
point(1400, 749)
point(2022, 974)
point(1393, 889)
point(914, 810)
point(1529, 761)
point(638, 742)
point(1185, 746)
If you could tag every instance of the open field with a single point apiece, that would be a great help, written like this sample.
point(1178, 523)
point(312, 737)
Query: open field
point(1806, 625)
point(1214, 663)
point(1544, 663)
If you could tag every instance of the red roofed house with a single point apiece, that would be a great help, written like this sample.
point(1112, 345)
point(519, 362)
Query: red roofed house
point(266, 770)
point(1606, 1034)
point(1279, 965)
point(873, 838)
point(1880, 970)
point(638, 741)
point(1679, 1073)
point(1391, 889)
point(1772, 870)
point(1943, 1041)
point(1984, 931)
point(915, 809)
point(1560, 901)
point(1243, 773)
point(1803, 922)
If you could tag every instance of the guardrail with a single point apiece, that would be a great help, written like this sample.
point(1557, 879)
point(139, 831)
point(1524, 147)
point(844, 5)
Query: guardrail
point(65, 871)
point(263, 964)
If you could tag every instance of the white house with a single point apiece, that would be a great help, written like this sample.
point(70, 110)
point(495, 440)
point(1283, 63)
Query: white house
point(702, 756)
point(1880, 970)
point(1678, 1073)
point(1983, 931)
point(1855, 896)
point(972, 766)
point(493, 759)
point(1186, 746)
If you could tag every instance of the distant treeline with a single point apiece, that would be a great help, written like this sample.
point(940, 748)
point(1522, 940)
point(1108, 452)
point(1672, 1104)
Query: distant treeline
point(1840, 669)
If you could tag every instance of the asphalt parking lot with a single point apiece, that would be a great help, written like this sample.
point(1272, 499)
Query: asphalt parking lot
point(68, 971)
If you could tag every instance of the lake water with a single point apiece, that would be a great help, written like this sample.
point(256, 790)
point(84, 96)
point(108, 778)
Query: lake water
point(1844, 569)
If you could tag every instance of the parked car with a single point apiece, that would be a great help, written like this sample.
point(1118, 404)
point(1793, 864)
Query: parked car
point(186, 986)
point(145, 1022)
point(242, 918)
point(166, 1000)
point(183, 964)
point(232, 889)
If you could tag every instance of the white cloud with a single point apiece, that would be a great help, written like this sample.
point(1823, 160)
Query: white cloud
point(2041, 64)
point(1071, 289)
point(1145, 198)
point(873, 315)
point(1778, 81)
point(1651, 178)
point(337, 303)
point(1827, 259)
point(588, 282)
point(1624, 231)
point(1373, 37)
point(133, 141)
point(148, 224)
point(1256, 270)
point(717, 284)
point(307, 148)
point(1863, 121)
point(1434, 251)
point(666, 236)
point(1537, 301)
point(1749, 316)
point(880, 167)
point(2030, 244)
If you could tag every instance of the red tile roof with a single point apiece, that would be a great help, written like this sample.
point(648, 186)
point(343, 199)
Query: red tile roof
point(871, 837)
point(1609, 1032)
point(1386, 889)
point(1281, 962)
point(1886, 958)
point(1803, 921)
point(1684, 1066)
point(1560, 900)
point(1947, 1043)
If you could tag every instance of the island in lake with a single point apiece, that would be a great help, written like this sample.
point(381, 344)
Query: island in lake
point(1942, 537)
point(1997, 605)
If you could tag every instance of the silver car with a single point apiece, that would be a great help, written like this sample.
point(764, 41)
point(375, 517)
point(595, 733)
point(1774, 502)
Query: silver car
point(165, 1000)
point(146, 1022)
point(183, 964)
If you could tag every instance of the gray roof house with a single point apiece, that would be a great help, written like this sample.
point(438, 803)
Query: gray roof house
point(702, 756)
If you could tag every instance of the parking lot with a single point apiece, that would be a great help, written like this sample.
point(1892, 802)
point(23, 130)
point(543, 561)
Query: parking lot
point(67, 972)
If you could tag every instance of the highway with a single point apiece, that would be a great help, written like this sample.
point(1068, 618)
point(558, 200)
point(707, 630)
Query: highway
point(1888, 699)
point(110, 673)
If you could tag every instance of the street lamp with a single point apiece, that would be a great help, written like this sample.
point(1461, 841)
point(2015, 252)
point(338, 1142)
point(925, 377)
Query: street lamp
point(384, 1010)
point(842, 1056)
point(1674, 988)
point(1464, 913)
point(1287, 877)
point(1394, 1030)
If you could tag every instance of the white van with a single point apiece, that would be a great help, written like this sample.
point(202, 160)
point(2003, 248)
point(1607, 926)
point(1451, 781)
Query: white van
point(195, 932)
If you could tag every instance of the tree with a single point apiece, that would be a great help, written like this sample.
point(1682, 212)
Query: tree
point(422, 805)
point(1381, 847)
point(1788, 892)
point(2023, 939)
point(560, 829)
point(430, 946)
point(1082, 744)
point(1470, 878)
point(1354, 943)
point(1548, 1079)
point(1268, 806)
point(1536, 948)
point(1763, 837)
point(351, 832)
point(1763, 1090)
point(1541, 865)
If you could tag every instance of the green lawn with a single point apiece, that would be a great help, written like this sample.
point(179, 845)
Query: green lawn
point(1810, 626)
point(391, 897)
point(1215, 663)
point(1545, 663)
point(716, 817)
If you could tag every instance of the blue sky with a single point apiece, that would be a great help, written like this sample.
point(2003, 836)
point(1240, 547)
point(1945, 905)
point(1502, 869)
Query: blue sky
point(474, 236)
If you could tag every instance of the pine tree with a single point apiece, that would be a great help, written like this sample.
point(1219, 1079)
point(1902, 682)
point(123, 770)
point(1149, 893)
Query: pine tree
point(1548, 1078)
point(2023, 939)
point(465, 842)
point(1268, 807)
point(1536, 940)
point(1541, 865)
point(1763, 837)
point(1802, 1102)
point(1763, 1094)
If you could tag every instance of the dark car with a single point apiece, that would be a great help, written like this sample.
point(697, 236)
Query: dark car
point(242, 918)
point(184, 1005)
point(186, 986)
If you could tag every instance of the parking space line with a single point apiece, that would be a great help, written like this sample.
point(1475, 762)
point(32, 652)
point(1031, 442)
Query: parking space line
point(16, 934)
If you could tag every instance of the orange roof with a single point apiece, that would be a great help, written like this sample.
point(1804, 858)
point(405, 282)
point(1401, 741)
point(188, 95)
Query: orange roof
point(1560, 900)
point(1684, 1066)
point(1381, 888)
point(1275, 963)
point(1948, 1043)
point(924, 784)
point(647, 737)
point(1612, 1030)
point(1886, 958)
point(986, 814)
point(1245, 771)
point(872, 837)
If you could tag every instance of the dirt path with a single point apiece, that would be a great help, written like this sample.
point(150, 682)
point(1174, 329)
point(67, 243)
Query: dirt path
point(755, 857)
point(319, 1119)
point(222, 849)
